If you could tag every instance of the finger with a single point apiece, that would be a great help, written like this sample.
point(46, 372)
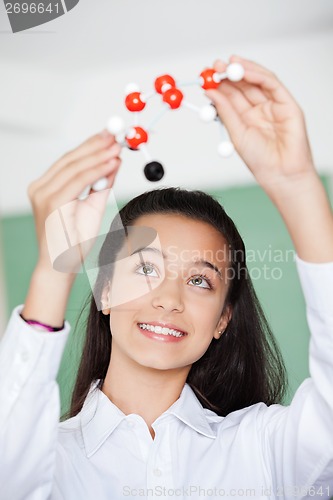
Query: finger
point(92, 145)
point(270, 84)
point(88, 147)
point(238, 99)
point(76, 185)
point(253, 93)
point(63, 176)
point(250, 65)
point(221, 66)
point(97, 200)
point(228, 114)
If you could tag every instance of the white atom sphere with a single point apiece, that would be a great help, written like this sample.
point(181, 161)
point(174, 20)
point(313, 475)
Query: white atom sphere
point(100, 184)
point(207, 113)
point(132, 87)
point(235, 72)
point(225, 149)
point(115, 125)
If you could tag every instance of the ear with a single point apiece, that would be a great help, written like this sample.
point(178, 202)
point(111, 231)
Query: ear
point(223, 322)
point(105, 300)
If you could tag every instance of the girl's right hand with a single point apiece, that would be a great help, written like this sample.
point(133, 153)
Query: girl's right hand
point(63, 221)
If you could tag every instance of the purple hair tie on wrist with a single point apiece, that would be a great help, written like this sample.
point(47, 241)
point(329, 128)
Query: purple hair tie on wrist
point(48, 328)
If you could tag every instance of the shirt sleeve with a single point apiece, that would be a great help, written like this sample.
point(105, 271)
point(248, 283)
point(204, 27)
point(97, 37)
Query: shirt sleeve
point(299, 437)
point(29, 409)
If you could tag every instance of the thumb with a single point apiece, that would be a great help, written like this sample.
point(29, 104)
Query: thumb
point(228, 115)
point(98, 199)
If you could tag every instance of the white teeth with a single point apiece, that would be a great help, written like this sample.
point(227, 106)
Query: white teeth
point(159, 329)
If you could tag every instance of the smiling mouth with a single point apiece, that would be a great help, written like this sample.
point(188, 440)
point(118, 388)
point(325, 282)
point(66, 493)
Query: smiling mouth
point(162, 330)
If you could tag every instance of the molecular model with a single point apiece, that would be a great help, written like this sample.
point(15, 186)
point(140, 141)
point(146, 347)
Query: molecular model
point(136, 136)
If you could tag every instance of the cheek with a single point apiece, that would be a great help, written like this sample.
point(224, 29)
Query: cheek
point(204, 305)
point(200, 344)
point(118, 325)
point(127, 286)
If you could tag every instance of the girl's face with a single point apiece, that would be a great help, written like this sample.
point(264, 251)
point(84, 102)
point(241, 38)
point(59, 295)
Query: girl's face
point(176, 281)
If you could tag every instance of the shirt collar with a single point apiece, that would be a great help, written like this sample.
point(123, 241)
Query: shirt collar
point(190, 411)
point(99, 416)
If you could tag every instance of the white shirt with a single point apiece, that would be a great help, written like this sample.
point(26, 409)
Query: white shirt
point(103, 454)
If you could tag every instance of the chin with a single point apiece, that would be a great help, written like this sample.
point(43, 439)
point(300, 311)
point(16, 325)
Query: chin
point(158, 364)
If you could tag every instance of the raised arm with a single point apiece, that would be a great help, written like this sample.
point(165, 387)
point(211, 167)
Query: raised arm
point(75, 222)
point(268, 130)
point(30, 359)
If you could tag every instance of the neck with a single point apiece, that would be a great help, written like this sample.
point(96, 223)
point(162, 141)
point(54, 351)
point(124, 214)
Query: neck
point(142, 390)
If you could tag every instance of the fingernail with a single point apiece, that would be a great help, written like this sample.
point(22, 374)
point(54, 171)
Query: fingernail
point(105, 134)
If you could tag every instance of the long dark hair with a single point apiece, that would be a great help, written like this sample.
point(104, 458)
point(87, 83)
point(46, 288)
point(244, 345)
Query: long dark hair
point(244, 367)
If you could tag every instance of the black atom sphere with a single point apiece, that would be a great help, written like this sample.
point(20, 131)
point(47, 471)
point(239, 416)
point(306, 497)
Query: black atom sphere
point(154, 171)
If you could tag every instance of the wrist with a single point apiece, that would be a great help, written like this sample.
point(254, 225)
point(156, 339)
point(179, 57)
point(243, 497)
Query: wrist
point(48, 295)
point(42, 327)
point(282, 189)
point(44, 271)
point(305, 208)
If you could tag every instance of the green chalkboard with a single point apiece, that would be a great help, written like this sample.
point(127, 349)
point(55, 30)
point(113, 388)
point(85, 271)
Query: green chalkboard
point(270, 258)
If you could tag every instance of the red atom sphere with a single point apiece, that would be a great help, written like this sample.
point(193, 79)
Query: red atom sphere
point(140, 137)
point(173, 97)
point(133, 102)
point(162, 80)
point(207, 76)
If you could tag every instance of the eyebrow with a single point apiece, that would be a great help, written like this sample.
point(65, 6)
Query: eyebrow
point(199, 261)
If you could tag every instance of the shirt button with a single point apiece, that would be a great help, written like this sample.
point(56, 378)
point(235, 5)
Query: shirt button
point(130, 423)
point(25, 356)
point(157, 472)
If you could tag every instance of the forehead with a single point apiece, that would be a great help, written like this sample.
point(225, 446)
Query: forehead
point(181, 232)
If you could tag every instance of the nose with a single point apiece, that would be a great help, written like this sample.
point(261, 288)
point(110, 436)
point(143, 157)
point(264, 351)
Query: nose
point(168, 295)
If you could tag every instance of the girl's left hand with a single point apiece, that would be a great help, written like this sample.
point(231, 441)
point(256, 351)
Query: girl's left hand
point(265, 124)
